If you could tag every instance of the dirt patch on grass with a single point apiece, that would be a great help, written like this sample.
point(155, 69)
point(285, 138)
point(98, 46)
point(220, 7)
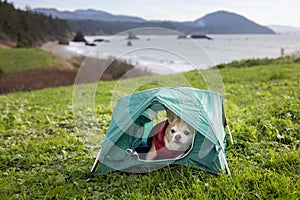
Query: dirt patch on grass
point(36, 79)
point(64, 74)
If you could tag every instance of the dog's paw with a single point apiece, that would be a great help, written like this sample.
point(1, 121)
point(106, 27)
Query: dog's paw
point(151, 155)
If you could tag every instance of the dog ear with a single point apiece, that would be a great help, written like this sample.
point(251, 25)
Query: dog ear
point(171, 116)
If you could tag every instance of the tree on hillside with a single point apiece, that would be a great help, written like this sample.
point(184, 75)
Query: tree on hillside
point(28, 29)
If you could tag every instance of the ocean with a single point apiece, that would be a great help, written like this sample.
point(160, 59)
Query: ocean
point(166, 54)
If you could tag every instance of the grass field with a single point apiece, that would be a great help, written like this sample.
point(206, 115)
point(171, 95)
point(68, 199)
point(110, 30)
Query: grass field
point(42, 156)
point(20, 59)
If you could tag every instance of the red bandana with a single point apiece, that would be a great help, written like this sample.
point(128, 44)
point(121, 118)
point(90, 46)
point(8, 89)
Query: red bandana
point(161, 150)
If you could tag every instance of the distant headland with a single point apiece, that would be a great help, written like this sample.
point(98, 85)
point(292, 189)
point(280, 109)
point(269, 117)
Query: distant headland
point(99, 22)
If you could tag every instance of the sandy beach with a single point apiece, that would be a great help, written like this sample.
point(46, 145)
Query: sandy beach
point(58, 50)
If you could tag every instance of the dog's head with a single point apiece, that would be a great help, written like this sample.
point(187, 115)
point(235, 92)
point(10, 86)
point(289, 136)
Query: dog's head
point(178, 135)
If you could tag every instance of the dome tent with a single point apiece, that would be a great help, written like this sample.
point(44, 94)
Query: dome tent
point(132, 120)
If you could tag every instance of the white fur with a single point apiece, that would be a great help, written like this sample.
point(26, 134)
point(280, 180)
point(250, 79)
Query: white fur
point(178, 136)
point(185, 141)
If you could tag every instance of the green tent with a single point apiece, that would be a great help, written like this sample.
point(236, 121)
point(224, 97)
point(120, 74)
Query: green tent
point(132, 120)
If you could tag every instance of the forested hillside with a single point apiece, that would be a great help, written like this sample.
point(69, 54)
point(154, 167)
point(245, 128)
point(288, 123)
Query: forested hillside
point(93, 27)
point(29, 29)
point(93, 22)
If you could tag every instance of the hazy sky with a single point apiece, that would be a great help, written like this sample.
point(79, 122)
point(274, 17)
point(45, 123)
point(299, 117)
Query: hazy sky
point(264, 12)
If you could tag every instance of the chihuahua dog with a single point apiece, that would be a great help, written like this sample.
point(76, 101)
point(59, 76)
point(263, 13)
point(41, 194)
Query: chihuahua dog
point(171, 138)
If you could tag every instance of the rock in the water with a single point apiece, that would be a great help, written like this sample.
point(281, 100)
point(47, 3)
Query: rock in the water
point(129, 43)
point(200, 36)
point(79, 37)
point(99, 40)
point(63, 41)
point(181, 37)
point(90, 44)
point(132, 36)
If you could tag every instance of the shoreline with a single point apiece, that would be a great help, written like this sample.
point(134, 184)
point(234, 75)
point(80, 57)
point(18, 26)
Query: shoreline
point(63, 73)
point(58, 50)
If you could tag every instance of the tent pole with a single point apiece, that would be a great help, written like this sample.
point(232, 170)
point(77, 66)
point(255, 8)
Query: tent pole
point(94, 167)
point(231, 138)
point(226, 164)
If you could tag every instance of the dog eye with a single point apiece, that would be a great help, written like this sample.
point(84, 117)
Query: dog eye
point(186, 132)
point(173, 130)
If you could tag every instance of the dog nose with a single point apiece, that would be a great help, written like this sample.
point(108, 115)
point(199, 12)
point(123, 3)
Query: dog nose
point(177, 137)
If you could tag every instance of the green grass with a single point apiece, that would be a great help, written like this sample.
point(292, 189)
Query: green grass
point(21, 59)
point(42, 155)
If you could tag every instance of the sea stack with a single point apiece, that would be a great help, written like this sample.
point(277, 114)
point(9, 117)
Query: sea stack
point(132, 36)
